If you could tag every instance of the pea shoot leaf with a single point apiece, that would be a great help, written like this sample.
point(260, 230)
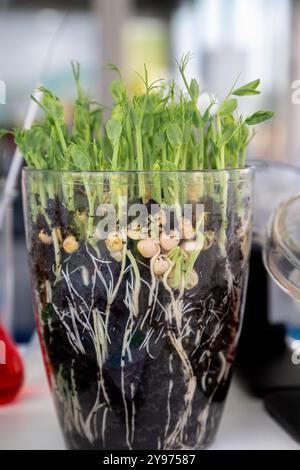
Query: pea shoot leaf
point(258, 117)
point(174, 135)
point(227, 107)
point(114, 130)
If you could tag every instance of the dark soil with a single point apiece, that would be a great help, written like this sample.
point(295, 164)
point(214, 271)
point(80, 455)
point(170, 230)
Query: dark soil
point(213, 308)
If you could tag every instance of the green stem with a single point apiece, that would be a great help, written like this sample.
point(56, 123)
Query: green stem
point(130, 142)
point(156, 184)
point(221, 161)
point(61, 137)
point(114, 163)
point(68, 191)
point(140, 163)
point(201, 148)
point(164, 153)
point(221, 157)
point(91, 216)
point(137, 285)
point(223, 194)
point(177, 156)
point(184, 155)
point(243, 158)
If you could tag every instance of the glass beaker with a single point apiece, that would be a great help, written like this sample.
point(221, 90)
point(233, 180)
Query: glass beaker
point(139, 326)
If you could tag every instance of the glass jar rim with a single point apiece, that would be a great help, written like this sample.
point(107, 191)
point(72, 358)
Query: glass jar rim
point(247, 170)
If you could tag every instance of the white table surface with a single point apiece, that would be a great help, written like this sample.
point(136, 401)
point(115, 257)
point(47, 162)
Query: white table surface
point(30, 423)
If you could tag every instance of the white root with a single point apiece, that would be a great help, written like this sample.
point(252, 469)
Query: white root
point(203, 416)
point(101, 351)
point(191, 384)
point(174, 308)
point(125, 346)
point(168, 402)
point(137, 287)
point(178, 329)
point(97, 333)
point(112, 296)
point(104, 417)
point(73, 416)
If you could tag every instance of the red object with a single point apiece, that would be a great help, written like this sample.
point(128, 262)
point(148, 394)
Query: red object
point(11, 368)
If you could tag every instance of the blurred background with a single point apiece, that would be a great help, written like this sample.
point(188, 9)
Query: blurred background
point(229, 38)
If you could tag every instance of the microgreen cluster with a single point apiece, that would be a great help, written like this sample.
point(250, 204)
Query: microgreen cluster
point(139, 275)
point(161, 129)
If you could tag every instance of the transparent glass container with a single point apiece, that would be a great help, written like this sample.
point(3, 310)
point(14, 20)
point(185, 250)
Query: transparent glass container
point(138, 283)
